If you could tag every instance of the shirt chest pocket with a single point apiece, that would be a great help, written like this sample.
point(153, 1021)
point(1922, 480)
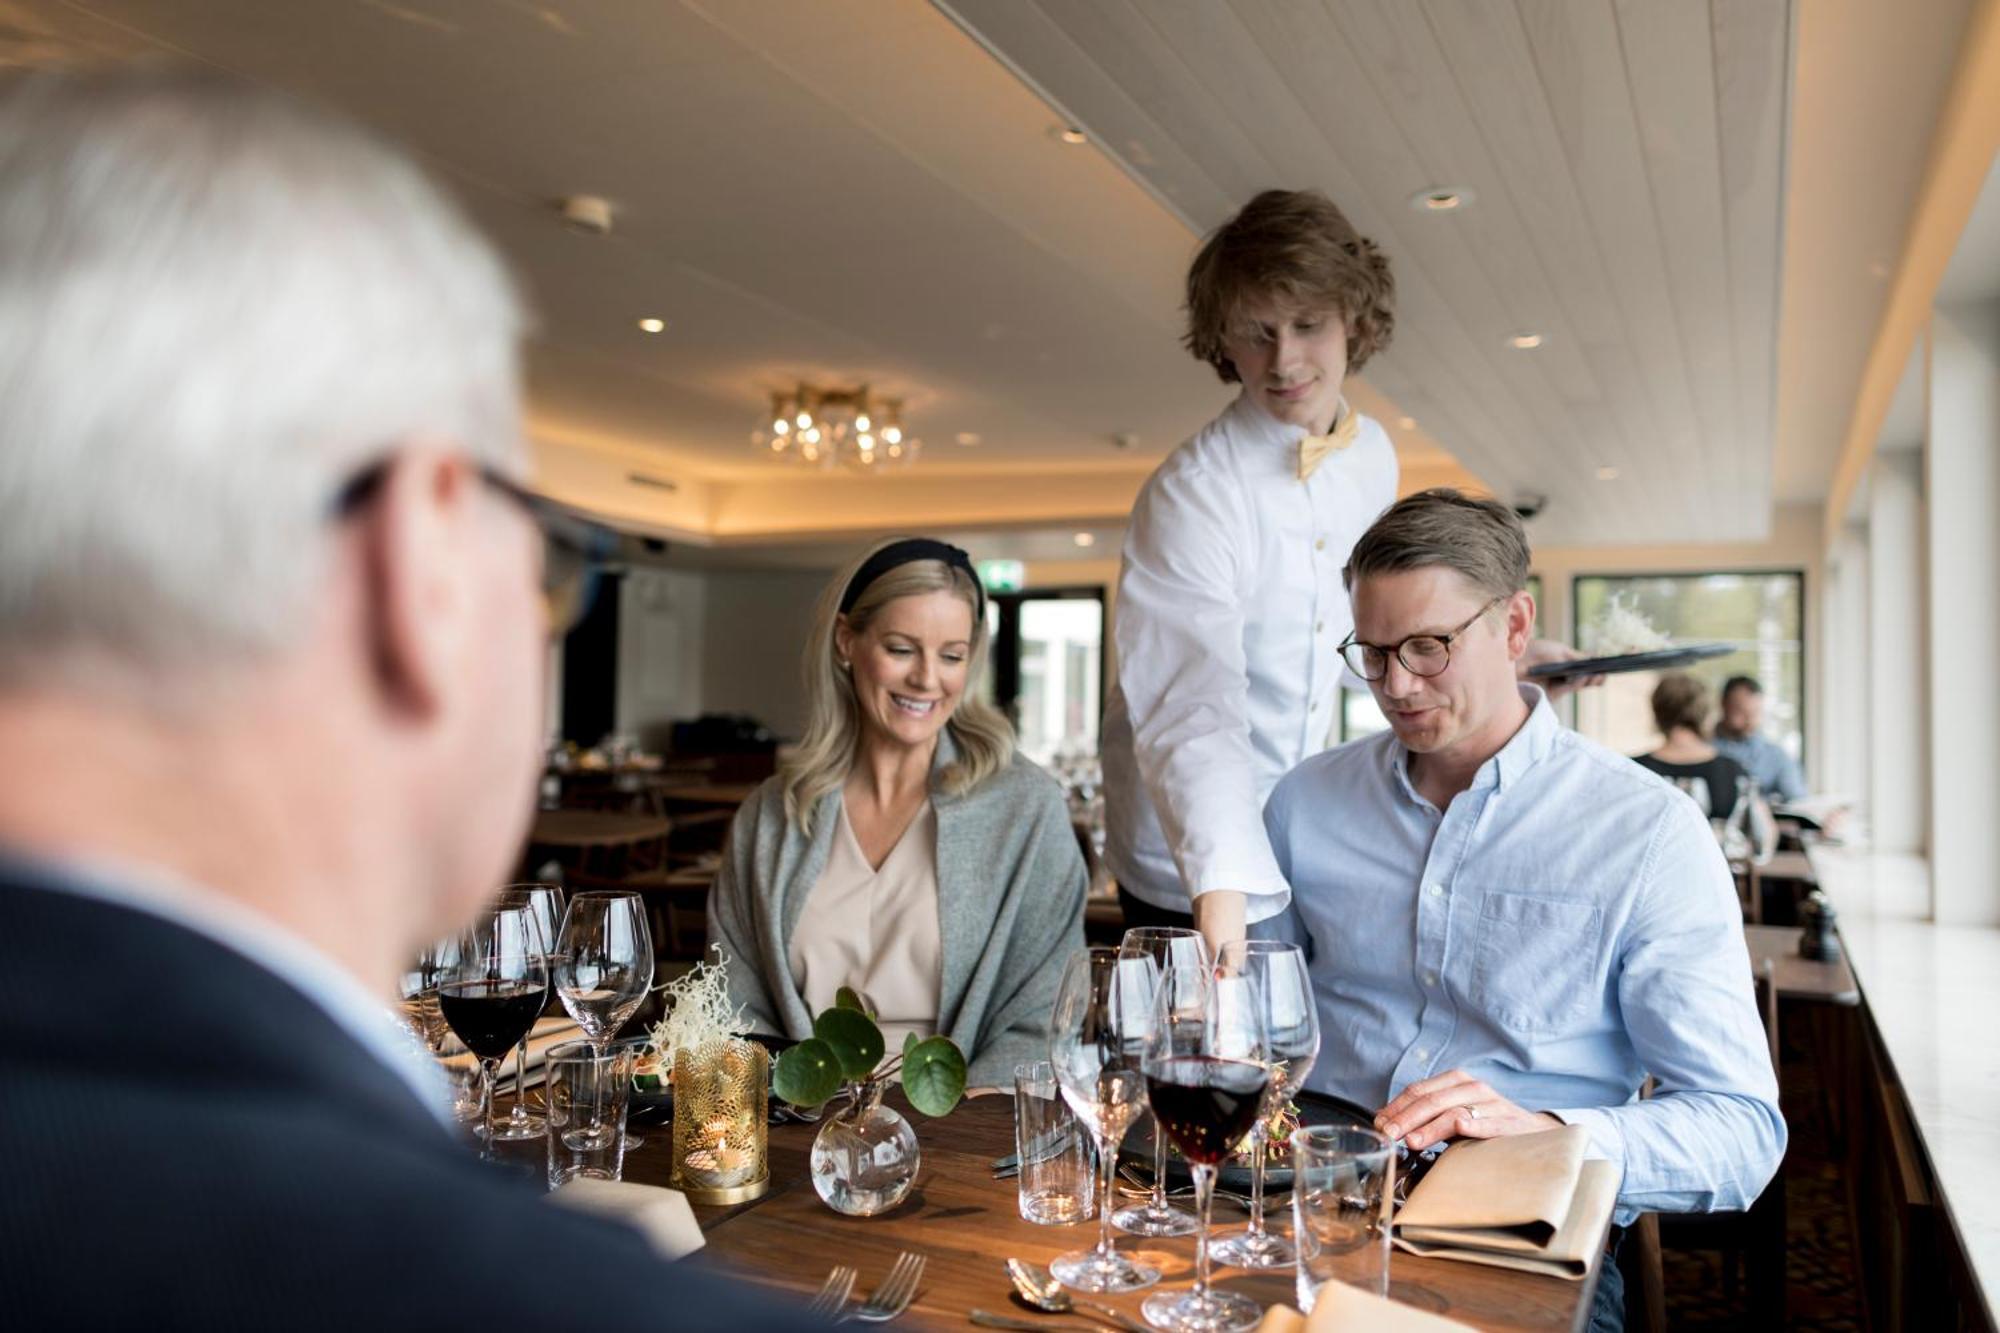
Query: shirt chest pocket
point(1535, 961)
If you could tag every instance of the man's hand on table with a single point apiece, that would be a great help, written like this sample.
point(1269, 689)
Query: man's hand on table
point(1435, 1109)
point(1543, 651)
point(1218, 915)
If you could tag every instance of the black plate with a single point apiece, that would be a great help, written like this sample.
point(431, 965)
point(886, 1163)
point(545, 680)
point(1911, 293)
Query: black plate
point(1315, 1108)
point(1658, 660)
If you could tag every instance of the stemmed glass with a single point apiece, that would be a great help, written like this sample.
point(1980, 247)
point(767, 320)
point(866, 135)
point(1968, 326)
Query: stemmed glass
point(494, 989)
point(1291, 1025)
point(1208, 1070)
point(1096, 1033)
point(603, 966)
point(546, 902)
point(419, 994)
point(1167, 946)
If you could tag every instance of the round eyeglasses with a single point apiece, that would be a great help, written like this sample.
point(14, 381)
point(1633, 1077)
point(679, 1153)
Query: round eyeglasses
point(1421, 654)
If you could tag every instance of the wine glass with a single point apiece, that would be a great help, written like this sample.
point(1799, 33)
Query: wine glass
point(1208, 1073)
point(418, 992)
point(1096, 1033)
point(1291, 1025)
point(494, 989)
point(546, 902)
point(1167, 946)
point(603, 968)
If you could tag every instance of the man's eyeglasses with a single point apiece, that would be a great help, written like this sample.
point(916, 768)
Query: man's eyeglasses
point(574, 549)
point(1421, 654)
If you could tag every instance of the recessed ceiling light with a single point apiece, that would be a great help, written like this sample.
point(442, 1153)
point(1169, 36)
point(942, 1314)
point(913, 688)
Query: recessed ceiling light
point(1524, 342)
point(653, 325)
point(968, 438)
point(1441, 199)
point(1085, 539)
point(1072, 136)
point(1406, 423)
point(1607, 474)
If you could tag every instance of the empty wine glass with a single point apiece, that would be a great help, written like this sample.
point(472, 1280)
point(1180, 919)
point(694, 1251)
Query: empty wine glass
point(603, 968)
point(1096, 1033)
point(546, 902)
point(1291, 1023)
point(1208, 1068)
point(1167, 946)
point(494, 989)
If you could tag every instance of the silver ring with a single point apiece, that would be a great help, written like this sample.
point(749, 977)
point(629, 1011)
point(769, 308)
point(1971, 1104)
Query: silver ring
point(1472, 1111)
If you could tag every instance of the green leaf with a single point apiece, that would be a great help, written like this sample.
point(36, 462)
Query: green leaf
point(909, 1040)
point(933, 1075)
point(845, 998)
point(807, 1074)
point(855, 1040)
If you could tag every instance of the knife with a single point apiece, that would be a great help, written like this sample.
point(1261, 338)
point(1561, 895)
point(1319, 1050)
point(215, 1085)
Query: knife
point(987, 1319)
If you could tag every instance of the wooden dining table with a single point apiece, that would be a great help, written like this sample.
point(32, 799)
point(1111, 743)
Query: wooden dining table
point(966, 1224)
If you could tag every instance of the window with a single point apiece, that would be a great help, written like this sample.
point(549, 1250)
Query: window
point(1761, 614)
point(1048, 666)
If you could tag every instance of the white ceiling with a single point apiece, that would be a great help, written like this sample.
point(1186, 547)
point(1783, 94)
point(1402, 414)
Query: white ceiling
point(1626, 159)
point(858, 190)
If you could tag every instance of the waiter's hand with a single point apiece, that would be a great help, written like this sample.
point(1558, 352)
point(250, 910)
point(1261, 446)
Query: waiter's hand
point(1543, 651)
point(1456, 1105)
point(1218, 915)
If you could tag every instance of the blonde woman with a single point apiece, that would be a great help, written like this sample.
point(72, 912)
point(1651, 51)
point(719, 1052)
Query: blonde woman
point(905, 850)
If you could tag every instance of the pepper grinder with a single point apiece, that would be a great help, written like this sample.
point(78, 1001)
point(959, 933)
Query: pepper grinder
point(1816, 939)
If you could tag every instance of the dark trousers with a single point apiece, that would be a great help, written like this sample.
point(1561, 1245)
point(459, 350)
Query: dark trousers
point(1139, 912)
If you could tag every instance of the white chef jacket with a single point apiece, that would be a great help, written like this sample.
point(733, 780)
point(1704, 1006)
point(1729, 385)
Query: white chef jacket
point(1230, 607)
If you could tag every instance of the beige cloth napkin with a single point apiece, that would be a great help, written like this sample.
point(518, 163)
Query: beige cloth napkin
point(1339, 1308)
point(660, 1214)
point(1526, 1201)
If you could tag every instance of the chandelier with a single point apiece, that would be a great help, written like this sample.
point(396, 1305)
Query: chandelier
point(826, 428)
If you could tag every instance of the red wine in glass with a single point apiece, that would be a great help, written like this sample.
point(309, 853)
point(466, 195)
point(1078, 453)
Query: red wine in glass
point(491, 1016)
point(1206, 1104)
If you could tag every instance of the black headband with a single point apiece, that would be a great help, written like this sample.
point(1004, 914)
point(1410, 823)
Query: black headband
point(907, 551)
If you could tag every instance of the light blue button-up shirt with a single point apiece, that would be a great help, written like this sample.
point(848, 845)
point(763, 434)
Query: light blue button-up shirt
point(1775, 772)
point(1566, 927)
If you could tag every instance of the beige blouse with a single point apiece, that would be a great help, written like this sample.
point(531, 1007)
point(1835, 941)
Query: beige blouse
point(875, 930)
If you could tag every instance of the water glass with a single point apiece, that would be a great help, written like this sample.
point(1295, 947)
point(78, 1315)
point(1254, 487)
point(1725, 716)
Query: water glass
point(1342, 1186)
point(1057, 1184)
point(585, 1091)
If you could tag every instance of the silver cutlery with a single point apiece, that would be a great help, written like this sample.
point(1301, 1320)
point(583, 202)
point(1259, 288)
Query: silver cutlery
point(1039, 1288)
point(987, 1319)
point(894, 1295)
point(833, 1293)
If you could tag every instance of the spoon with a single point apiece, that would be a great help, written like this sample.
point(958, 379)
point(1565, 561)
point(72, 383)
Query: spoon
point(1039, 1288)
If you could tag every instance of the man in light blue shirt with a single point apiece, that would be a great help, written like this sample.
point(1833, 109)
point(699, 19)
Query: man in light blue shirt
point(1739, 737)
point(1509, 926)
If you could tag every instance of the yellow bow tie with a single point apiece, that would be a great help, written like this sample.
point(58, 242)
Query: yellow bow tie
point(1313, 449)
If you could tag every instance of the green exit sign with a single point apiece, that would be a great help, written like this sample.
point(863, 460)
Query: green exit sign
point(1002, 575)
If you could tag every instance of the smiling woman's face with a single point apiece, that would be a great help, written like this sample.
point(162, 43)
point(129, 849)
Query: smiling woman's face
point(909, 665)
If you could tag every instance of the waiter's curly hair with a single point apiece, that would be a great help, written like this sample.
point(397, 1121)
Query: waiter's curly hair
point(1294, 245)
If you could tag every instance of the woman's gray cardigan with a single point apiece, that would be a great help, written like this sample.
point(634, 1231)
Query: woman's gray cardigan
point(1011, 883)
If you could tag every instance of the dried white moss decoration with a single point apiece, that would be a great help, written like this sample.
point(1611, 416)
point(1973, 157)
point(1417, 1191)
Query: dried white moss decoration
point(1621, 628)
point(698, 1010)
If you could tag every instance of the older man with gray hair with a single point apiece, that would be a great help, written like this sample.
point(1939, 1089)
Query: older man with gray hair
point(1509, 927)
point(272, 628)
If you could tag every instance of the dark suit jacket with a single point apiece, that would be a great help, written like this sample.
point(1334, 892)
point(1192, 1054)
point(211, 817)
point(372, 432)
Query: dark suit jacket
point(188, 1142)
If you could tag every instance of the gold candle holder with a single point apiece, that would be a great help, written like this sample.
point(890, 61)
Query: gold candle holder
point(722, 1143)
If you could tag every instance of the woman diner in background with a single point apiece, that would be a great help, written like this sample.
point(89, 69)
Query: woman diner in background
point(904, 849)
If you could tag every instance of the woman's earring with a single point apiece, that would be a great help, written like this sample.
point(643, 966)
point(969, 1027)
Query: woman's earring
point(845, 665)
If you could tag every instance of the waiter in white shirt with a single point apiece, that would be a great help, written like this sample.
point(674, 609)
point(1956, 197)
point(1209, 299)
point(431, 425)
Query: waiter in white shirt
point(1230, 601)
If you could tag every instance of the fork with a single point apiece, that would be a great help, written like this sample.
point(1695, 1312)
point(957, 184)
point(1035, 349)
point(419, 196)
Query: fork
point(894, 1295)
point(833, 1293)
